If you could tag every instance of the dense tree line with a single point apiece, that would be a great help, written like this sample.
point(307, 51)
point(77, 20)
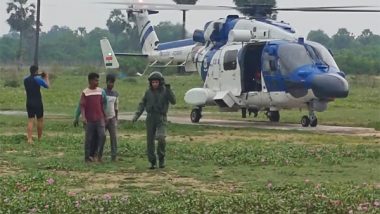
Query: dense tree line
point(354, 54)
point(63, 45)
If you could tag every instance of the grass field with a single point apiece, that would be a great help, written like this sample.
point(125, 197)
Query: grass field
point(361, 108)
point(209, 169)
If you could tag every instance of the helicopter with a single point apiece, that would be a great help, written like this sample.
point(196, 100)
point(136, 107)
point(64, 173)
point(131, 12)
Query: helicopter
point(248, 64)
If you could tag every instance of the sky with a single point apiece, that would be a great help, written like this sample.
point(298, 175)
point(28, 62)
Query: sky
point(86, 13)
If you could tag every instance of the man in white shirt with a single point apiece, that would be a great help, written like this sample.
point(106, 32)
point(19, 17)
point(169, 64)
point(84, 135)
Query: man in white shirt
point(112, 113)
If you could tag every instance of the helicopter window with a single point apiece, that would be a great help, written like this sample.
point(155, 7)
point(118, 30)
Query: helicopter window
point(269, 63)
point(323, 54)
point(313, 54)
point(293, 56)
point(273, 65)
point(229, 62)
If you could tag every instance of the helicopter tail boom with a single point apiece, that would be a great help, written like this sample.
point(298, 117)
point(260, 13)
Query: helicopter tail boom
point(148, 37)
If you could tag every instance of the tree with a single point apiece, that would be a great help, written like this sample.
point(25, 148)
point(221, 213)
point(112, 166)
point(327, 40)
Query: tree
point(343, 39)
point(319, 36)
point(166, 31)
point(8, 48)
point(368, 38)
point(130, 41)
point(61, 45)
point(191, 2)
point(21, 20)
point(93, 38)
point(37, 33)
point(259, 8)
point(82, 31)
point(116, 23)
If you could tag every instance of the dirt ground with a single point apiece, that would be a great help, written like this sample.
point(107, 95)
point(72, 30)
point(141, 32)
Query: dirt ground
point(153, 181)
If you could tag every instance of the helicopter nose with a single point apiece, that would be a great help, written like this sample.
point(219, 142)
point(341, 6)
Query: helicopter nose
point(329, 86)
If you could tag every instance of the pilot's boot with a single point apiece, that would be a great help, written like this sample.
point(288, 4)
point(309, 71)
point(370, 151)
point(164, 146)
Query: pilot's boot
point(152, 165)
point(161, 162)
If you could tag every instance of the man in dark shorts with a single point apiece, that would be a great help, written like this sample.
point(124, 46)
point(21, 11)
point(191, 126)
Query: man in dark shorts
point(34, 105)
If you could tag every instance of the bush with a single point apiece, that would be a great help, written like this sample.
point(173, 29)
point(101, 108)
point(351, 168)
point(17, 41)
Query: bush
point(132, 65)
point(85, 70)
point(12, 83)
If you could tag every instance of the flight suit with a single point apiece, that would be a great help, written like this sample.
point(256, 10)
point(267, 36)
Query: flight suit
point(156, 104)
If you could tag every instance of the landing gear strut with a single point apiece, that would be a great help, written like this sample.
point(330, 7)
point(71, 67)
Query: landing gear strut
point(309, 120)
point(196, 115)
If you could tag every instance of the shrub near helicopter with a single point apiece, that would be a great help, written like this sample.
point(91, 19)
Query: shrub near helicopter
point(252, 64)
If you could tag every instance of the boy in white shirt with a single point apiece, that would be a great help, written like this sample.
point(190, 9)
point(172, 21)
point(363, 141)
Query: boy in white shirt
point(112, 113)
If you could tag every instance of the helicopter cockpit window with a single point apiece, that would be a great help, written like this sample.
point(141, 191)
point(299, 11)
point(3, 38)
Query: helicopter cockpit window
point(269, 63)
point(273, 65)
point(293, 56)
point(323, 54)
point(229, 62)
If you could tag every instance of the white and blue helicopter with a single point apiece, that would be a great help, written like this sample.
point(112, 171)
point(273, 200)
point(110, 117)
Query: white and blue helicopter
point(248, 64)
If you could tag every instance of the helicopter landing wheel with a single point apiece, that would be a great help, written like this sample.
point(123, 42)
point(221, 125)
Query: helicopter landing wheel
point(273, 116)
point(305, 121)
point(313, 121)
point(195, 115)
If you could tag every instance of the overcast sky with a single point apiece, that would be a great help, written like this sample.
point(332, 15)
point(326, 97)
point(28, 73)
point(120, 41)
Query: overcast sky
point(78, 13)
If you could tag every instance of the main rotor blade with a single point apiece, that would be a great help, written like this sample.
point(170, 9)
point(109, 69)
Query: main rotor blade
point(325, 10)
point(328, 7)
point(160, 6)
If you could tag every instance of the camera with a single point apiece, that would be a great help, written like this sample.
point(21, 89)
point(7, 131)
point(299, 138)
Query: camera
point(42, 74)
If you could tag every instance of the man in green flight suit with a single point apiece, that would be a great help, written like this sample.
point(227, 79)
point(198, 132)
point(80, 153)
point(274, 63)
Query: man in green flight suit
point(156, 103)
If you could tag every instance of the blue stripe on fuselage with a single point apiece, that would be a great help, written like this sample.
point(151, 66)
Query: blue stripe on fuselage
point(205, 67)
point(146, 34)
point(142, 30)
point(175, 44)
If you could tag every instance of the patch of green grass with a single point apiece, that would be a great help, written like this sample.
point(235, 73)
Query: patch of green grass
point(65, 91)
point(43, 192)
point(256, 159)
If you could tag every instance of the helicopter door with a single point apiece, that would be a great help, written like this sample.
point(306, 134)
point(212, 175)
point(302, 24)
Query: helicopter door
point(273, 78)
point(251, 67)
point(230, 72)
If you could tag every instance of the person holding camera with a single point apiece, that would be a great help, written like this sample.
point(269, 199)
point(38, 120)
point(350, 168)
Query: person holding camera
point(156, 103)
point(34, 105)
